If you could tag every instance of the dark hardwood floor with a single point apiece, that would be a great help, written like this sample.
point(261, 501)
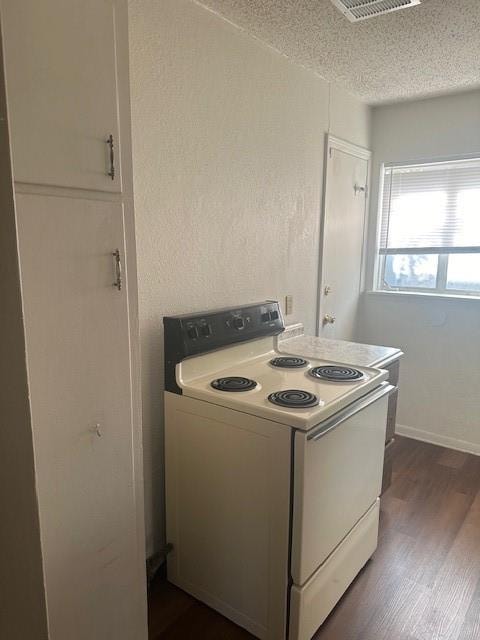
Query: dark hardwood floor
point(423, 582)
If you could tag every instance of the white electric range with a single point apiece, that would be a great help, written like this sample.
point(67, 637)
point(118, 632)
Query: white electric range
point(273, 470)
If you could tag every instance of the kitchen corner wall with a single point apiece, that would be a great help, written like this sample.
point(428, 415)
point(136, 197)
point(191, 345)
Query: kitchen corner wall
point(228, 144)
point(439, 398)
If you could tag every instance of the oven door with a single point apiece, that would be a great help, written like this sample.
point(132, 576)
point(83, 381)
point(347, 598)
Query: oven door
point(337, 478)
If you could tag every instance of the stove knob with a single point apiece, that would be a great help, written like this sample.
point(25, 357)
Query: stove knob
point(192, 333)
point(238, 323)
point(206, 330)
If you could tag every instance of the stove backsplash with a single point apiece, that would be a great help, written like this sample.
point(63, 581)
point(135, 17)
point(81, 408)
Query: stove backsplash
point(291, 331)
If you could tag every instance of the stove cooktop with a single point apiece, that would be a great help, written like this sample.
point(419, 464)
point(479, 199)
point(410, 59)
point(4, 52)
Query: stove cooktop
point(244, 378)
point(289, 362)
point(336, 373)
point(233, 383)
point(294, 398)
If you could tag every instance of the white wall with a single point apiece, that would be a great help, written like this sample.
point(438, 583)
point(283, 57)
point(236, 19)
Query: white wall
point(440, 382)
point(228, 162)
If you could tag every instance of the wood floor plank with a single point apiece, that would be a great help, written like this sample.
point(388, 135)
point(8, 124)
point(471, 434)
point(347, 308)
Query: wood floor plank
point(471, 626)
point(456, 583)
point(403, 604)
point(444, 517)
point(166, 604)
point(366, 595)
point(423, 582)
point(203, 623)
point(453, 459)
point(468, 480)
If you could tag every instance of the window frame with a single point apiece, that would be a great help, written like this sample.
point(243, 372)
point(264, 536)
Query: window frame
point(440, 290)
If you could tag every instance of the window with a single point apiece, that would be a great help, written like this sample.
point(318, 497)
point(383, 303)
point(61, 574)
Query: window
point(430, 228)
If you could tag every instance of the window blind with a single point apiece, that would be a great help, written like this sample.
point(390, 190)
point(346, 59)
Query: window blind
point(431, 208)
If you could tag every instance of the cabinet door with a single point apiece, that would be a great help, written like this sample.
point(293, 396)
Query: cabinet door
point(79, 371)
point(62, 91)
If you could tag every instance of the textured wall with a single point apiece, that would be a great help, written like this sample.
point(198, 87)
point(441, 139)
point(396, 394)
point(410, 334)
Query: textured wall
point(440, 381)
point(228, 159)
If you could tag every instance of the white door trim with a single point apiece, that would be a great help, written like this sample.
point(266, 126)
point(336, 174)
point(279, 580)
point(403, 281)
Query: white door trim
point(332, 142)
point(347, 147)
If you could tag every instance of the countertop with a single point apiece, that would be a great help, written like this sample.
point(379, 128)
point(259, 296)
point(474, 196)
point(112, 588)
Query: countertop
point(354, 353)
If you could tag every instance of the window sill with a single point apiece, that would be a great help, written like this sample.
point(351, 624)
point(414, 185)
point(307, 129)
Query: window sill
point(420, 295)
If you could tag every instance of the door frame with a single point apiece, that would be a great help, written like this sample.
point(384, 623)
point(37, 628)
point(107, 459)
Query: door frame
point(332, 142)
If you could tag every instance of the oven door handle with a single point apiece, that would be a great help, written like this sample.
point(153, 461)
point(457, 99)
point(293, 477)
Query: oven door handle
point(332, 423)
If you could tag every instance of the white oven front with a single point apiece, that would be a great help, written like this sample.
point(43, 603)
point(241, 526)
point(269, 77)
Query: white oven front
point(337, 478)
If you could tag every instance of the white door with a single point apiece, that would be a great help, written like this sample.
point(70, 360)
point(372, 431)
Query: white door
point(343, 239)
point(62, 91)
point(78, 355)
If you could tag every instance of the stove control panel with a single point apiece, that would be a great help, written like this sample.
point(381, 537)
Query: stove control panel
point(224, 327)
point(189, 335)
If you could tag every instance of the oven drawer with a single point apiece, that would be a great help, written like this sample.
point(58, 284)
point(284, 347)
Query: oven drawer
point(311, 604)
point(337, 477)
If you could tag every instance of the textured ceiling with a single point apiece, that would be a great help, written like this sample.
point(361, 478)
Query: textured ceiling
point(429, 49)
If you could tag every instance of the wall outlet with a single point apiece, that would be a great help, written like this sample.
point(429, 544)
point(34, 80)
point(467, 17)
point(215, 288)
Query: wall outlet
point(288, 305)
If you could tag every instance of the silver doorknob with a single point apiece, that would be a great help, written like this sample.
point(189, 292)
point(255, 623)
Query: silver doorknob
point(360, 189)
point(328, 319)
point(327, 289)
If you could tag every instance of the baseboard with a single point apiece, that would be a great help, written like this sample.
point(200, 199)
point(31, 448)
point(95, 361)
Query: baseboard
point(435, 438)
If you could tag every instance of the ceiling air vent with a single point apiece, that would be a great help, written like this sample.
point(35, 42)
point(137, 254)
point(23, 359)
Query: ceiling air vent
point(357, 10)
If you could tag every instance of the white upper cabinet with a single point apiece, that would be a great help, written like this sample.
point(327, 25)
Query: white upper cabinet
point(60, 58)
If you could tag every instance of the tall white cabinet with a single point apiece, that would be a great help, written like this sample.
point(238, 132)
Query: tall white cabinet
point(66, 67)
